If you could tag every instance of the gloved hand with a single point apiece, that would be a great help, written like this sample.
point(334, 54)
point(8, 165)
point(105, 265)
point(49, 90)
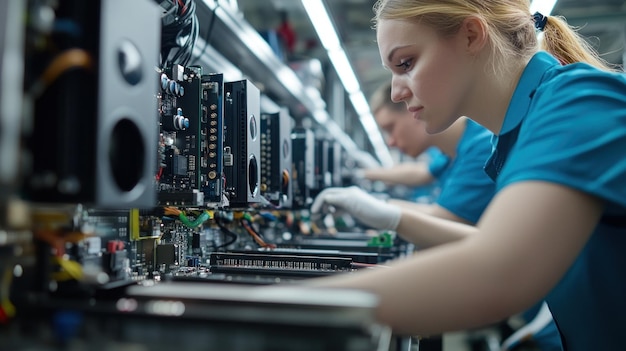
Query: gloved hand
point(363, 206)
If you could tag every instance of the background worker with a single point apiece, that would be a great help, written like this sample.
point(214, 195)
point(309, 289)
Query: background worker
point(466, 189)
point(407, 135)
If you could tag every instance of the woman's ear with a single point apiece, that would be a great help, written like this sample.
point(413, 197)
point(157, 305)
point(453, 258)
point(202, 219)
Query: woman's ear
point(474, 33)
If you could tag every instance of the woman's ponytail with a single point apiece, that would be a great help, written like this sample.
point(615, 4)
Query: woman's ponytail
point(564, 43)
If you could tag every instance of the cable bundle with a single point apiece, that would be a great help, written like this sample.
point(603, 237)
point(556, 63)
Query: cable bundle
point(179, 33)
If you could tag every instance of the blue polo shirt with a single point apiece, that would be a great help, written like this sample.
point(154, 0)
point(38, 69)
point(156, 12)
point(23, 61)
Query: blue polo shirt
point(567, 125)
point(439, 163)
point(466, 190)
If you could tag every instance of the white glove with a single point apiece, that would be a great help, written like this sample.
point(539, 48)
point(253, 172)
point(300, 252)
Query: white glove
point(363, 206)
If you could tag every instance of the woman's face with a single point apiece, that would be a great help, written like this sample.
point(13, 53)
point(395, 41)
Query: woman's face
point(430, 73)
point(401, 131)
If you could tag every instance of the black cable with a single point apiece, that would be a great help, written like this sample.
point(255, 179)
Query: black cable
point(184, 54)
point(209, 32)
point(226, 232)
point(184, 25)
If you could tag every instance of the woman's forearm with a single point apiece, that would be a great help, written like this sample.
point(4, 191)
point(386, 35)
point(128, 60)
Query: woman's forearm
point(426, 230)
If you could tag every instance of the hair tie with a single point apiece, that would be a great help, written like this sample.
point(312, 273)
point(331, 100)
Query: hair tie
point(540, 21)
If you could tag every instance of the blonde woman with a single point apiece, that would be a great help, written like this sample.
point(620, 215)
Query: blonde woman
point(556, 228)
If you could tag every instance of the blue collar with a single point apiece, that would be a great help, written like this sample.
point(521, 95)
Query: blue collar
point(528, 83)
point(518, 108)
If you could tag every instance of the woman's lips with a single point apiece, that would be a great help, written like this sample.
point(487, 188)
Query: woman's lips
point(416, 111)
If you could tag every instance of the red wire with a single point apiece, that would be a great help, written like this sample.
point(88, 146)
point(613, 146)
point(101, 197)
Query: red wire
point(158, 176)
point(4, 318)
point(180, 3)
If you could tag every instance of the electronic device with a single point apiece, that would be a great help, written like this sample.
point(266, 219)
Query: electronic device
point(212, 158)
point(321, 167)
point(179, 175)
point(303, 178)
point(334, 163)
point(94, 130)
point(276, 159)
point(242, 143)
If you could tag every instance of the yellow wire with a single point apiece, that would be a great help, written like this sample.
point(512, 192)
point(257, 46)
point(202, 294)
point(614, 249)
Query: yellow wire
point(6, 303)
point(72, 270)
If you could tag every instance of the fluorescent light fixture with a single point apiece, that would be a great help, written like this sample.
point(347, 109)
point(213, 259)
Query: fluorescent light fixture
point(321, 22)
point(544, 7)
point(289, 79)
point(373, 132)
point(384, 156)
point(344, 70)
point(325, 29)
point(315, 97)
point(360, 104)
point(369, 124)
point(343, 138)
point(320, 116)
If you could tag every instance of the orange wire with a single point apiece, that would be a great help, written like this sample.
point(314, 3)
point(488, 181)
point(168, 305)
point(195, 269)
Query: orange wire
point(172, 211)
point(256, 236)
point(69, 59)
point(57, 239)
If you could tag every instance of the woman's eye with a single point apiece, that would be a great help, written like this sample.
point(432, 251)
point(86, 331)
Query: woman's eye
point(404, 65)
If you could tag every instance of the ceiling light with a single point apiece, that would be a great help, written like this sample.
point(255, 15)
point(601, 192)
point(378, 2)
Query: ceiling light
point(344, 70)
point(320, 116)
point(327, 34)
point(360, 103)
point(321, 22)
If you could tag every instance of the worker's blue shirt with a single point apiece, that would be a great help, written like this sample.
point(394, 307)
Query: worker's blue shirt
point(466, 189)
point(438, 166)
point(439, 163)
point(567, 125)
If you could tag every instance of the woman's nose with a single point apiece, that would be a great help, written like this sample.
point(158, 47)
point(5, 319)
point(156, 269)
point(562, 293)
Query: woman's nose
point(398, 92)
